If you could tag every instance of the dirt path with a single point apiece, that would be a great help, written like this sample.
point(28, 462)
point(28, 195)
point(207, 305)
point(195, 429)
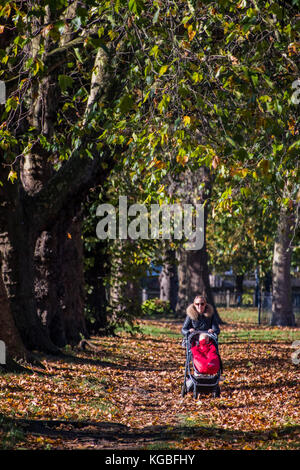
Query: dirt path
point(127, 395)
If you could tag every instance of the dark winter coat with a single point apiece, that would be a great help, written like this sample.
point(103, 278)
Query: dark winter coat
point(200, 321)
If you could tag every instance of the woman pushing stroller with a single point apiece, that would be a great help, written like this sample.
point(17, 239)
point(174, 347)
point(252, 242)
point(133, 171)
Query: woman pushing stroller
point(201, 330)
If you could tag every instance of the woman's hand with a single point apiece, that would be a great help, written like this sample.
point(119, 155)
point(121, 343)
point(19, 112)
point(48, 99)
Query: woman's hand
point(191, 330)
point(210, 331)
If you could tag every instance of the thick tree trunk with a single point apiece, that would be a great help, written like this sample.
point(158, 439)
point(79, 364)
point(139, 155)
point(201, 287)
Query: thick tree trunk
point(17, 239)
point(282, 308)
point(23, 220)
point(193, 278)
point(32, 205)
point(8, 331)
point(71, 282)
point(95, 273)
point(193, 274)
point(47, 274)
point(59, 282)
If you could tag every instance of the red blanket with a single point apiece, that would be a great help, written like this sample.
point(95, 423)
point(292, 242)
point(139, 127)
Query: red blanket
point(205, 358)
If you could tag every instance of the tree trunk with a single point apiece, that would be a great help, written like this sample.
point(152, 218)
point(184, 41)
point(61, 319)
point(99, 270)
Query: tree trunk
point(47, 275)
point(34, 170)
point(17, 240)
point(59, 281)
point(282, 308)
point(168, 279)
point(71, 295)
point(239, 289)
point(193, 274)
point(31, 206)
point(193, 278)
point(9, 334)
point(95, 273)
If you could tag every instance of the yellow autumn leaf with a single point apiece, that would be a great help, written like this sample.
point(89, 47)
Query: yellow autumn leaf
point(182, 159)
point(187, 120)
point(163, 69)
point(292, 124)
point(191, 33)
point(293, 48)
point(158, 163)
point(12, 175)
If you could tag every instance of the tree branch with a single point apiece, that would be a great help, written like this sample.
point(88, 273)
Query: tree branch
point(80, 172)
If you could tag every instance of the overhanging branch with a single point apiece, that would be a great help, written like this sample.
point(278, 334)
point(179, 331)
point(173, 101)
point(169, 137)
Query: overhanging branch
point(80, 172)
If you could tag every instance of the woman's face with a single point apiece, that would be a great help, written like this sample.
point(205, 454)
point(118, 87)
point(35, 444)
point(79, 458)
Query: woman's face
point(200, 304)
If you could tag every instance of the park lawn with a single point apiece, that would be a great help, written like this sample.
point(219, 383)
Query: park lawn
point(126, 393)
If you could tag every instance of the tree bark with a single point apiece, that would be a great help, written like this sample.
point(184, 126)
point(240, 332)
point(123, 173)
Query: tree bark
point(193, 188)
point(17, 242)
point(47, 275)
point(59, 281)
point(168, 279)
point(9, 332)
point(71, 292)
point(32, 206)
point(282, 308)
point(96, 297)
point(193, 277)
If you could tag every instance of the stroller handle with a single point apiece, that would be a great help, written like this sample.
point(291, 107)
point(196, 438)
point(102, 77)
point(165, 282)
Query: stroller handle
point(189, 335)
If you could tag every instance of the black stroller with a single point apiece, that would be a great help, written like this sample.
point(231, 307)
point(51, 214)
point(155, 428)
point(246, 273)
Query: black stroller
point(194, 381)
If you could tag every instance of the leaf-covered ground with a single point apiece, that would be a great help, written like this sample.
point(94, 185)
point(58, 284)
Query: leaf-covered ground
point(126, 394)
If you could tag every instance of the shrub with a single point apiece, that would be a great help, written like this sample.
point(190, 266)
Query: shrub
point(156, 307)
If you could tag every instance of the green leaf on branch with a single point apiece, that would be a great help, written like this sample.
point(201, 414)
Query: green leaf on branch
point(126, 104)
point(136, 6)
point(65, 82)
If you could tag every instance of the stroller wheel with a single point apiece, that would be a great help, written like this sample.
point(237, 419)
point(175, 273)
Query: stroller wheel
point(183, 390)
point(195, 392)
point(216, 392)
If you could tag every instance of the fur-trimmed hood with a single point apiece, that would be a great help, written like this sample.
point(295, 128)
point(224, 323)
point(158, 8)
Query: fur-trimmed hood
point(193, 314)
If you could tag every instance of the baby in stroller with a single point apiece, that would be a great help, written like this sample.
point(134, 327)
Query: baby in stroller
point(205, 356)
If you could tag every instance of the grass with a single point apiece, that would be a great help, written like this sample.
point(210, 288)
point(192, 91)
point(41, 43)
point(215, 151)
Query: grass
point(260, 335)
point(245, 315)
point(248, 330)
point(160, 446)
point(156, 331)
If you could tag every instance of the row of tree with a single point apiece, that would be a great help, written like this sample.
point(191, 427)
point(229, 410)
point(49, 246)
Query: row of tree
point(182, 101)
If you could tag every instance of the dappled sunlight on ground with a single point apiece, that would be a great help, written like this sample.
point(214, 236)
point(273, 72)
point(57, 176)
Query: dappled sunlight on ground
point(126, 393)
